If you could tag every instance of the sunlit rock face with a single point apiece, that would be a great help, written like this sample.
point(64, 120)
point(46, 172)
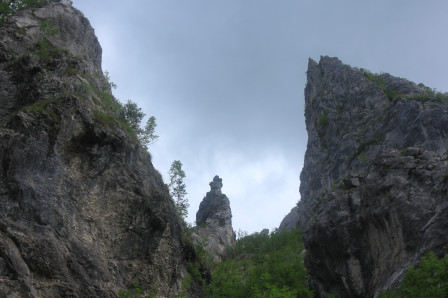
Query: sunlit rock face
point(214, 222)
point(374, 182)
point(83, 213)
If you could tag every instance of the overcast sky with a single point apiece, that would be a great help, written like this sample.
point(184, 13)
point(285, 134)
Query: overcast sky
point(225, 80)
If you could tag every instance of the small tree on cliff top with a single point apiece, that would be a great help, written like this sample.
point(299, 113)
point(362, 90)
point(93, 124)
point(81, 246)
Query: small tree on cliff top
point(178, 189)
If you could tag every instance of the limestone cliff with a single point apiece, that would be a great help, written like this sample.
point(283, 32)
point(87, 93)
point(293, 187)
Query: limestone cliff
point(214, 222)
point(374, 182)
point(83, 213)
point(290, 221)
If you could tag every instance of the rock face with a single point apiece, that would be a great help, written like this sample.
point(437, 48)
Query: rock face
point(214, 222)
point(374, 183)
point(290, 221)
point(83, 213)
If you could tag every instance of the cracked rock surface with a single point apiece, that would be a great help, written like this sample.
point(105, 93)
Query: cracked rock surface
point(83, 213)
point(374, 182)
point(214, 222)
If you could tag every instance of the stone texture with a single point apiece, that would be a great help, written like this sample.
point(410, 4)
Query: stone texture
point(214, 222)
point(290, 221)
point(374, 179)
point(83, 213)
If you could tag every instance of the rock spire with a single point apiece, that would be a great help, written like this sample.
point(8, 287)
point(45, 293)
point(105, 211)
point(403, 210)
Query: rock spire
point(214, 221)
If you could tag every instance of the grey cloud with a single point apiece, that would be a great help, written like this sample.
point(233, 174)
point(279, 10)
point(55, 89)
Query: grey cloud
point(226, 78)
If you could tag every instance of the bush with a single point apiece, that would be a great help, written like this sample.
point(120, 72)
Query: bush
point(9, 8)
point(429, 279)
point(263, 266)
point(132, 114)
point(390, 93)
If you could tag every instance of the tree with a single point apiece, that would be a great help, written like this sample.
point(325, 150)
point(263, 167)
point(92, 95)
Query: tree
point(148, 136)
point(178, 189)
point(109, 83)
point(133, 115)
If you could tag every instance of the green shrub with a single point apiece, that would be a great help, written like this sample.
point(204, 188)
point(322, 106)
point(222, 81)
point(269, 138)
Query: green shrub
point(263, 266)
point(49, 29)
point(429, 279)
point(9, 8)
point(104, 119)
point(112, 122)
point(41, 105)
point(323, 123)
point(392, 94)
point(323, 119)
point(364, 158)
point(375, 78)
point(137, 291)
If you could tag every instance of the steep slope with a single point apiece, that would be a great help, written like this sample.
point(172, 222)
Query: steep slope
point(83, 213)
point(214, 222)
point(374, 181)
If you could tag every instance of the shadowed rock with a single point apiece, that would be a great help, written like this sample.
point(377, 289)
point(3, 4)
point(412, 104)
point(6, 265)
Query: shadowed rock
point(83, 212)
point(373, 186)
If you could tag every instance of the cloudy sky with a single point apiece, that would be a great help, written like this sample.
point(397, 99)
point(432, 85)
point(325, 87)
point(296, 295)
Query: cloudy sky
point(225, 80)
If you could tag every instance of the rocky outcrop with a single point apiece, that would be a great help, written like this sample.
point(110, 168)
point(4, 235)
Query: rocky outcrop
point(290, 221)
point(374, 178)
point(214, 222)
point(83, 213)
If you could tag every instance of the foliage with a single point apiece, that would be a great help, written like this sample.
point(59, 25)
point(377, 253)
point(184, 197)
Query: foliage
point(178, 188)
point(148, 136)
point(263, 265)
point(364, 158)
point(186, 285)
point(104, 119)
point(10, 7)
point(241, 234)
point(323, 120)
point(136, 292)
point(128, 115)
point(197, 269)
point(429, 279)
point(49, 29)
point(41, 106)
point(391, 93)
point(108, 81)
point(133, 115)
point(431, 95)
point(323, 123)
point(374, 78)
point(46, 51)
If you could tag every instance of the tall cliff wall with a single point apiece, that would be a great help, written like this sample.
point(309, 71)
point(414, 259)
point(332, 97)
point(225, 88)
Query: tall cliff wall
point(374, 182)
point(83, 213)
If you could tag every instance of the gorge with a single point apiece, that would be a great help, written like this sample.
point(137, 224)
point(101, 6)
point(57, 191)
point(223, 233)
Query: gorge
point(83, 212)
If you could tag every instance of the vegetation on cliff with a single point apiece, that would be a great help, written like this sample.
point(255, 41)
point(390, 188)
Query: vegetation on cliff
point(262, 265)
point(10, 7)
point(429, 279)
point(178, 189)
